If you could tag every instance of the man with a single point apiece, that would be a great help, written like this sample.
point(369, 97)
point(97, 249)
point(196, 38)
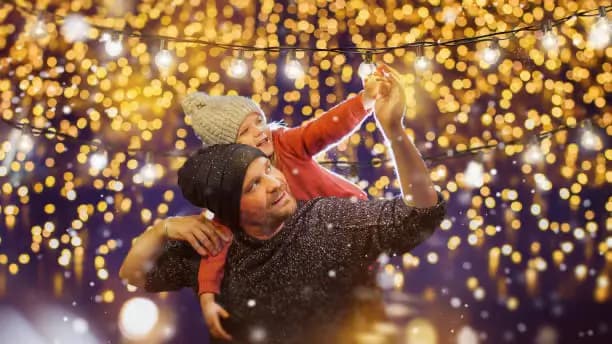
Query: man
point(293, 269)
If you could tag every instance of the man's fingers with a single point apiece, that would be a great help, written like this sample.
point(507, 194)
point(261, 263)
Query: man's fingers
point(203, 241)
point(223, 232)
point(196, 245)
point(227, 237)
point(212, 235)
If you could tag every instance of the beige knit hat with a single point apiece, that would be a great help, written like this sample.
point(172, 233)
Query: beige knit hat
point(216, 119)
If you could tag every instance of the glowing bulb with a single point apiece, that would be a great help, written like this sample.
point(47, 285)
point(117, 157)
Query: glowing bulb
point(163, 59)
point(294, 69)
point(550, 41)
point(589, 139)
point(474, 174)
point(114, 47)
point(75, 28)
point(450, 15)
point(367, 67)
point(148, 173)
point(491, 54)
point(238, 68)
point(421, 64)
point(25, 143)
point(599, 36)
point(98, 160)
point(39, 29)
point(533, 153)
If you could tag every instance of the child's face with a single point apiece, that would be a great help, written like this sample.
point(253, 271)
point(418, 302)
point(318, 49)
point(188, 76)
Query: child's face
point(254, 132)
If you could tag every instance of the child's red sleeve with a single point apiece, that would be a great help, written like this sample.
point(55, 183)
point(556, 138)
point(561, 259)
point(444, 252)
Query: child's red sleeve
point(326, 130)
point(210, 273)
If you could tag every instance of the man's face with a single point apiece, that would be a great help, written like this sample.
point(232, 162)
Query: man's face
point(266, 199)
point(254, 132)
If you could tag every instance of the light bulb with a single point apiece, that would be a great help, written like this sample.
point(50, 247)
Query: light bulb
point(238, 68)
point(39, 29)
point(589, 139)
point(367, 67)
point(550, 41)
point(98, 160)
point(474, 174)
point(75, 28)
point(491, 54)
point(533, 153)
point(163, 59)
point(599, 36)
point(294, 69)
point(25, 143)
point(148, 173)
point(421, 64)
point(114, 47)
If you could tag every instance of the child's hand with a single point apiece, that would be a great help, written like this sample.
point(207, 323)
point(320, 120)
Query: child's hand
point(212, 311)
point(390, 107)
point(371, 89)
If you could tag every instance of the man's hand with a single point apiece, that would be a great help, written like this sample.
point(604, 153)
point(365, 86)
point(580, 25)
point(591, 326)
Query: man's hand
point(205, 236)
point(391, 105)
point(212, 312)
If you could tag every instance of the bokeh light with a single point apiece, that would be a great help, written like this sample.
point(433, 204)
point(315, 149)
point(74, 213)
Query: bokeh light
point(524, 253)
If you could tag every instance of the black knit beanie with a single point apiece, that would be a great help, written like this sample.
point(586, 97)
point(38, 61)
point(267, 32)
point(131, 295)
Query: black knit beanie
point(212, 178)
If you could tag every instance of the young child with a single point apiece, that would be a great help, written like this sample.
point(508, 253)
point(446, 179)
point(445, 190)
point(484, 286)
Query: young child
point(229, 119)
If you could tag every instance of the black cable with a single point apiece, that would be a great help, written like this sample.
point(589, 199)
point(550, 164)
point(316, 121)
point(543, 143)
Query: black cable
point(344, 50)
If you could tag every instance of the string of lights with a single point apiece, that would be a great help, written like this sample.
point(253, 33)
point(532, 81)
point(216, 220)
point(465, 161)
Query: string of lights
point(588, 141)
point(546, 27)
point(113, 40)
point(599, 38)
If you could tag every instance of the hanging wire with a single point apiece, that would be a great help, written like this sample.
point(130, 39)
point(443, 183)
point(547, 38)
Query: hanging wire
point(499, 36)
point(50, 134)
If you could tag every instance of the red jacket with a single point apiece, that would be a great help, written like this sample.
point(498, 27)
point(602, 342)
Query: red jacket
point(294, 149)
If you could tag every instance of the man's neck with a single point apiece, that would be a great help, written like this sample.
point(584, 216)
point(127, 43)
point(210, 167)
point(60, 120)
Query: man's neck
point(264, 232)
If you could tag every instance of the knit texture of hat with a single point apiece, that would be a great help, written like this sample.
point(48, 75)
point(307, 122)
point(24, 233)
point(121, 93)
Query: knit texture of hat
point(212, 178)
point(216, 119)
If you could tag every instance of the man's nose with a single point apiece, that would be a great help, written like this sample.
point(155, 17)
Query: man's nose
point(273, 183)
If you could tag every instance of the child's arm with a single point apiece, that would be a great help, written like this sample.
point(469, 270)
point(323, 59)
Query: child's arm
point(331, 127)
point(210, 272)
point(210, 275)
